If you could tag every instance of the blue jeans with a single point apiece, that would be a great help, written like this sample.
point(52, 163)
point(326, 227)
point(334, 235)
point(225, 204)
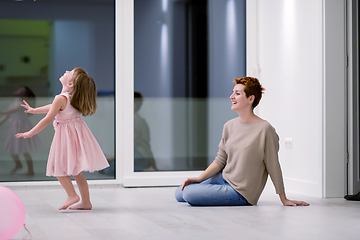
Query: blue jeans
point(215, 191)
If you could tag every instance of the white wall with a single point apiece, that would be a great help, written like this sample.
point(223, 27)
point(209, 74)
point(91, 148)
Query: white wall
point(286, 49)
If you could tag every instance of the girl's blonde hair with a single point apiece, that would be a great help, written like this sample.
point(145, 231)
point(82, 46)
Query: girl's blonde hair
point(83, 94)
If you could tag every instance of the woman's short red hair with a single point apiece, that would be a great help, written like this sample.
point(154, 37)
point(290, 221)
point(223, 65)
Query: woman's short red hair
point(252, 87)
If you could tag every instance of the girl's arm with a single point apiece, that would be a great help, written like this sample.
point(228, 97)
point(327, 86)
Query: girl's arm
point(39, 110)
point(210, 171)
point(58, 104)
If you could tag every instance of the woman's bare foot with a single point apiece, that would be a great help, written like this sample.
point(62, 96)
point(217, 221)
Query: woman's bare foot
point(82, 206)
point(70, 201)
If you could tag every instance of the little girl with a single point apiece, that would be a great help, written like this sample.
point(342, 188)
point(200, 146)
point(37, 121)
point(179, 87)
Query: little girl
point(74, 149)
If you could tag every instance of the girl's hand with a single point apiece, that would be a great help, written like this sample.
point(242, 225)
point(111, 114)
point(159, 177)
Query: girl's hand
point(27, 106)
point(189, 181)
point(24, 135)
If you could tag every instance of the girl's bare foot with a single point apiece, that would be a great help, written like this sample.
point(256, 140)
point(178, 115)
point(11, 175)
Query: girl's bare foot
point(70, 201)
point(15, 169)
point(82, 206)
point(30, 173)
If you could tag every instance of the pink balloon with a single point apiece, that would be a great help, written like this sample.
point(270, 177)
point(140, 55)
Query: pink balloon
point(12, 213)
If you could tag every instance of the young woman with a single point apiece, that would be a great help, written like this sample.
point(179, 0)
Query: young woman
point(248, 153)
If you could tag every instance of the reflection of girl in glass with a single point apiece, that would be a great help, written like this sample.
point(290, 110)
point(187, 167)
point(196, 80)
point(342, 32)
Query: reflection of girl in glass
point(19, 122)
point(74, 149)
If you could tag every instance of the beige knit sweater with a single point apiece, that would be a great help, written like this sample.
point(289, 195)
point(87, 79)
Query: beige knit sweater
point(248, 152)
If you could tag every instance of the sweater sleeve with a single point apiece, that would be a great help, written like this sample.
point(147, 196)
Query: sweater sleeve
point(271, 159)
point(221, 157)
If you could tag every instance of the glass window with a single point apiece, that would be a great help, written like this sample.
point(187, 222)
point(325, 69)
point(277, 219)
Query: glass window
point(187, 54)
point(39, 41)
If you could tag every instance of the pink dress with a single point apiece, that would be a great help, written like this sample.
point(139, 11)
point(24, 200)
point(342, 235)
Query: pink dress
point(74, 148)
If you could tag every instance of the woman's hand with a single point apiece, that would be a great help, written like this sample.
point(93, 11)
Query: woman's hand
point(189, 181)
point(24, 135)
point(294, 203)
point(210, 171)
point(27, 106)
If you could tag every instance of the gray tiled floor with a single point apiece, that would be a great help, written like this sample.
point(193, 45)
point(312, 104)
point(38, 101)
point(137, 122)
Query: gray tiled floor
point(153, 213)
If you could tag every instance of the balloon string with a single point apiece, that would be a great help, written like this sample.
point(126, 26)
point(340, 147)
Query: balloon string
point(28, 233)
